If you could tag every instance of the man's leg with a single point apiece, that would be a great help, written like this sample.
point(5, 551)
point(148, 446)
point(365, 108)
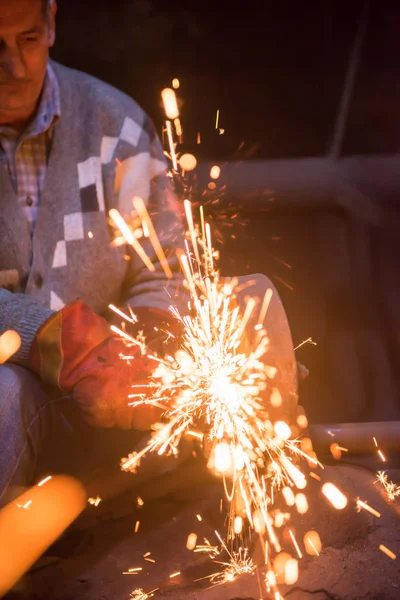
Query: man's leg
point(25, 417)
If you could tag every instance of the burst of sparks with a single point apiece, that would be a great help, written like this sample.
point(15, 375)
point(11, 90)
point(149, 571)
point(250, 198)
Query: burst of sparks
point(140, 594)
point(216, 383)
point(392, 489)
point(94, 501)
point(240, 564)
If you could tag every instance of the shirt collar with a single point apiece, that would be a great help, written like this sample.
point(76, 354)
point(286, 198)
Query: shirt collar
point(48, 112)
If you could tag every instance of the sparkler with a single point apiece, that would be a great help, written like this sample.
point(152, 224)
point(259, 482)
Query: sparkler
point(213, 388)
point(184, 179)
point(213, 384)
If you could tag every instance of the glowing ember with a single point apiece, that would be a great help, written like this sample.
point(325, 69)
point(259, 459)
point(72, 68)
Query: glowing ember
point(388, 552)
point(187, 162)
point(9, 345)
point(174, 574)
point(215, 172)
point(191, 541)
point(335, 496)
point(94, 501)
point(170, 103)
point(312, 543)
point(44, 481)
point(367, 507)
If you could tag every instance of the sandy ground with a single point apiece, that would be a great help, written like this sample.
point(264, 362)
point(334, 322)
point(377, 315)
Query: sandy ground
point(102, 545)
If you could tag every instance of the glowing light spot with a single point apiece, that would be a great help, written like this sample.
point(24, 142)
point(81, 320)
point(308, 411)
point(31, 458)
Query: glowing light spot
point(212, 186)
point(302, 421)
point(312, 543)
point(170, 103)
point(335, 451)
point(388, 552)
point(301, 504)
point(191, 541)
point(44, 481)
point(176, 83)
point(276, 398)
point(279, 565)
point(258, 522)
point(187, 162)
point(215, 172)
point(238, 525)
point(10, 343)
point(90, 235)
point(222, 458)
point(289, 496)
point(174, 574)
point(334, 495)
point(282, 430)
point(291, 571)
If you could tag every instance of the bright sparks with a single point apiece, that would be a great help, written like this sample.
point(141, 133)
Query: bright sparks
point(213, 385)
point(139, 594)
point(388, 552)
point(392, 489)
point(335, 496)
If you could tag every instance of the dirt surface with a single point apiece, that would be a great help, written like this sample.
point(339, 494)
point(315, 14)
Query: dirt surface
point(89, 562)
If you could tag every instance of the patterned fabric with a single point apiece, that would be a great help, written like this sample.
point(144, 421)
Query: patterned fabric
point(104, 152)
point(27, 154)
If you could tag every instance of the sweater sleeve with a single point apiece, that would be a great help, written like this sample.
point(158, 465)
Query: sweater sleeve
point(20, 313)
point(146, 176)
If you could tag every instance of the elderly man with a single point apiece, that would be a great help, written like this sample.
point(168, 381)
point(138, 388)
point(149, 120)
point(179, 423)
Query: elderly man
point(72, 148)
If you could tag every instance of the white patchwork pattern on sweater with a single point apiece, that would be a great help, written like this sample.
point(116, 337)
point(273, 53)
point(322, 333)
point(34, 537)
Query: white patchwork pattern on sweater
point(73, 231)
point(108, 147)
point(73, 227)
point(131, 132)
point(134, 173)
point(89, 173)
point(60, 255)
point(55, 302)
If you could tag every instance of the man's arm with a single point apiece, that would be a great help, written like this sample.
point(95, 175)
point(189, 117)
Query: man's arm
point(20, 313)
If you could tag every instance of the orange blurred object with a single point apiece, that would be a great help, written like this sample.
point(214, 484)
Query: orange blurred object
point(32, 522)
point(10, 343)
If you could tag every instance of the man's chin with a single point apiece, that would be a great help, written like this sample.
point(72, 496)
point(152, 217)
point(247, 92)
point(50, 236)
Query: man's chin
point(14, 108)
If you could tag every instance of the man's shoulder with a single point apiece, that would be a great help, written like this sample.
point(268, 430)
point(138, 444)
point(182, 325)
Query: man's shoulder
point(97, 94)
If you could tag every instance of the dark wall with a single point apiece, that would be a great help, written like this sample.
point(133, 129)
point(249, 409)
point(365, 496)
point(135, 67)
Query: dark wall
point(274, 69)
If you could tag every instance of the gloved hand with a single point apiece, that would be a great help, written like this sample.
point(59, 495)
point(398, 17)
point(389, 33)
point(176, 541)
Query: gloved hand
point(161, 331)
point(76, 350)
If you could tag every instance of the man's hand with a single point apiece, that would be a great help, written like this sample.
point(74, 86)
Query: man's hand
point(75, 350)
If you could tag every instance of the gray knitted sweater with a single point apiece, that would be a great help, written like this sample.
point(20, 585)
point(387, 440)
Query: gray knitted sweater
point(104, 152)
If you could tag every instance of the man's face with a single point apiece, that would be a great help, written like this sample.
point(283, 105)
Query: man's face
point(26, 34)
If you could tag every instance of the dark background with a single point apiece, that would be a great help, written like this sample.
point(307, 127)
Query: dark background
point(274, 69)
point(276, 72)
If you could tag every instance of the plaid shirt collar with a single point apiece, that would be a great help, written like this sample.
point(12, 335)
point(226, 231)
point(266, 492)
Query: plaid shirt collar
point(47, 114)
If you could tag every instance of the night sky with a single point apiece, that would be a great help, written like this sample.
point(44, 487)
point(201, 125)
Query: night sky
point(274, 70)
